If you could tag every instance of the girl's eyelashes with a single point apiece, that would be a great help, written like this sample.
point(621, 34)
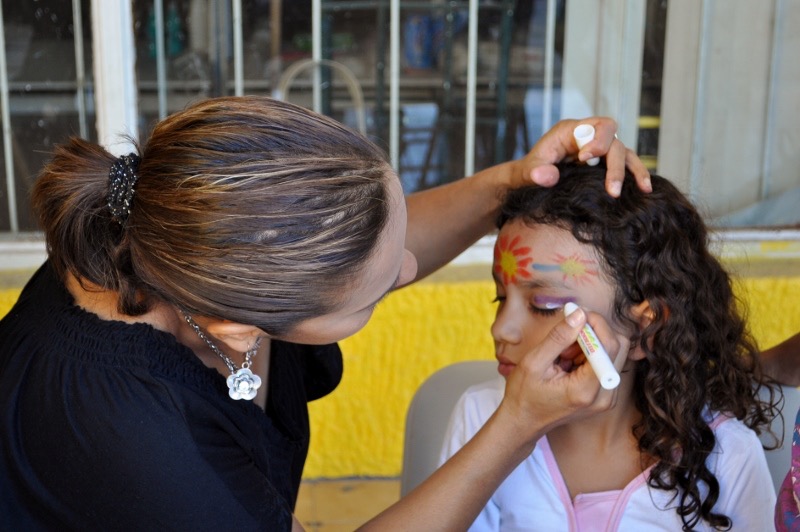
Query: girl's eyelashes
point(547, 311)
point(542, 305)
point(551, 302)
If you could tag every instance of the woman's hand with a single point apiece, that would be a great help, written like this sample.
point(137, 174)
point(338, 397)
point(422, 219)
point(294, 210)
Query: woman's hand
point(782, 362)
point(540, 394)
point(443, 221)
point(559, 144)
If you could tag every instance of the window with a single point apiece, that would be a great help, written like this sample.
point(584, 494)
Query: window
point(706, 92)
point(48, 89)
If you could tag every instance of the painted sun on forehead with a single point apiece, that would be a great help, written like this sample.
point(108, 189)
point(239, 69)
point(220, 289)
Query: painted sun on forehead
point(572, 267)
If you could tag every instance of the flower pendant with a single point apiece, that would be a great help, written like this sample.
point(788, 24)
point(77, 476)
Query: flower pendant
point(243, 384)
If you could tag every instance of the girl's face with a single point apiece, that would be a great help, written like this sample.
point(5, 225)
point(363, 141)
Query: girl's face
point(391, 266)
point(538, 269)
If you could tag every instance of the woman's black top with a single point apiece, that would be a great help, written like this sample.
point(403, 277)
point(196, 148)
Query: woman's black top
point(110, 426)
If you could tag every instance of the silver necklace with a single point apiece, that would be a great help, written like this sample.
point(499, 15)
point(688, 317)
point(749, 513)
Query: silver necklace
point(242, 383)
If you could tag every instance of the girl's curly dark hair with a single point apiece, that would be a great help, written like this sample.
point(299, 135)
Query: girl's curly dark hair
point(699, 354)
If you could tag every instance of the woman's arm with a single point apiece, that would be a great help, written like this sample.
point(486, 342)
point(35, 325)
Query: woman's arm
point(444, 221)
point(782, 362)
point(539, 395)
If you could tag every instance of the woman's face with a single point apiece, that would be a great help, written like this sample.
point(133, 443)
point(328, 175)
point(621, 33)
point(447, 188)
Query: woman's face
point(538, 269)
point(390, 267)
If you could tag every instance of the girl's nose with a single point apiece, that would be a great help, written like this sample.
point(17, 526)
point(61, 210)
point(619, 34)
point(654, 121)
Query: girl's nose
point(506, 327)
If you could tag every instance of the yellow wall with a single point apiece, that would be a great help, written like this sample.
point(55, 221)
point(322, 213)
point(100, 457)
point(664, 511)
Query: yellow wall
point(358, 429)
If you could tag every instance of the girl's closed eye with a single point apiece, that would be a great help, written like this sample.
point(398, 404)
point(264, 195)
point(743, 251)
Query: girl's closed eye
point(549, 305)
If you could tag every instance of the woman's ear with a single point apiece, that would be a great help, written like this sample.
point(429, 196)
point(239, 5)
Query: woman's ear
point(237, 336)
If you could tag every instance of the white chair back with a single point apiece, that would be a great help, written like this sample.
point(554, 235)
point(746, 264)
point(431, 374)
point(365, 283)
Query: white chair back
point(429, 412)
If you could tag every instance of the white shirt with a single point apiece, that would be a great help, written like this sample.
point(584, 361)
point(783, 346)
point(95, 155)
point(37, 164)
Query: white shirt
point(535, 496)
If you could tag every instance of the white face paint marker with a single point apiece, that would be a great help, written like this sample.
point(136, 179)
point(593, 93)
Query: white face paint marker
point(595, 353)
point(584, 134)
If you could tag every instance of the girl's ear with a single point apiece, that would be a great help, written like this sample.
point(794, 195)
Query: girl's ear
point(643, 315)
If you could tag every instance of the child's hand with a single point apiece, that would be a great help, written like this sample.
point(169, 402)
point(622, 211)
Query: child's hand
point(540, 394)
point(559, 144)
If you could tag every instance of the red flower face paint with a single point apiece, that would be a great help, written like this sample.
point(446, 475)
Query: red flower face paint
point(511, 262)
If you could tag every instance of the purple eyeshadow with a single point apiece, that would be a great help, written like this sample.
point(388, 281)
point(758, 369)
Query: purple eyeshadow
point(552, 302)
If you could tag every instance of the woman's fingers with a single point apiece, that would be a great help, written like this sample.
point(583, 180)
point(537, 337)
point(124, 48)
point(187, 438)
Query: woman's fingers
point(618, 159)
point(540, 393)
point(640, 172)
point(541, 389)
point(616, 345)
point(559, 144)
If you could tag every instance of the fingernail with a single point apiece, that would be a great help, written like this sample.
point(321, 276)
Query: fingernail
point(615, 188)
point(575, 318)
point(648, 184)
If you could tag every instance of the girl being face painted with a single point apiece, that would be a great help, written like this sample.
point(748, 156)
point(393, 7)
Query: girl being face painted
point(537, 269)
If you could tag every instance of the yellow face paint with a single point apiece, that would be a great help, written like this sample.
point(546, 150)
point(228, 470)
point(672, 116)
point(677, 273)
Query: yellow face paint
point(511, 262)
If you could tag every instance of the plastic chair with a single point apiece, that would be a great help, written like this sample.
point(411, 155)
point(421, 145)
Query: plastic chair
point(281, 92)
point(429, 413)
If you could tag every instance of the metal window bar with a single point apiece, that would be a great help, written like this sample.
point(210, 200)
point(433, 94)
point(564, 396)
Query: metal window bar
point(13, 217)
point(472, 83)
point(238, 48)
point(161, 59)
point(316, 51)
point(80, 67)
point(549, 59)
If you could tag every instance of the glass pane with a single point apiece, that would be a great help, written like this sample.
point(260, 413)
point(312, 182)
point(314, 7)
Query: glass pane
point(199, 61)
point(44, 89)
point(188, 67)
point(652, 73)
point(727, 119)
point(433, 90)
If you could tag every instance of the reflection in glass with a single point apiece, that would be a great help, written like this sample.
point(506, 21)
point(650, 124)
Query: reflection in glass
point(49, 86)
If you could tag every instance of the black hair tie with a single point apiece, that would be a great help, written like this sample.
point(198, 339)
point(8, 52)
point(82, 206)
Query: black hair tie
point(121, 179)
